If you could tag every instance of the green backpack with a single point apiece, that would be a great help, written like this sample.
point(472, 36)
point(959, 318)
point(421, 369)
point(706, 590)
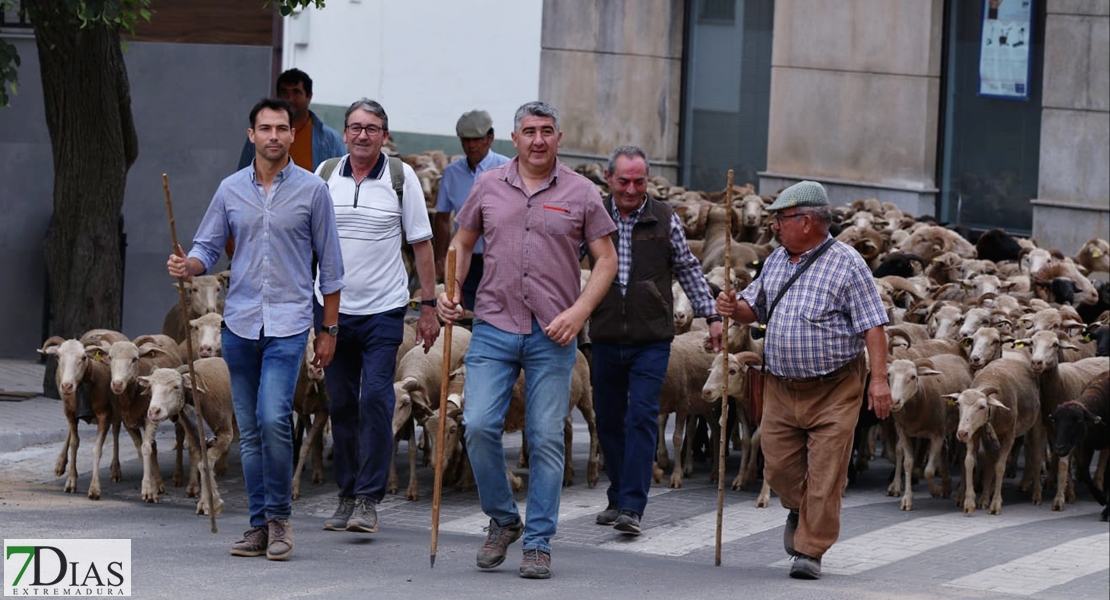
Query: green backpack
point(396, 174)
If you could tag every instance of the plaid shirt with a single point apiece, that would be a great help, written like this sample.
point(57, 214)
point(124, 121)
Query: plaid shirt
point(818, 325)
point(684, 265)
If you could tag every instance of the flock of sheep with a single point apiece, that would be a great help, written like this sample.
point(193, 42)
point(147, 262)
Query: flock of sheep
point(994, 346)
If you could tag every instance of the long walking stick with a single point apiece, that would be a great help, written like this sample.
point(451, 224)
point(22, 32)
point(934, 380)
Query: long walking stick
point(724, 390)
point(189, 358)
point(441, 436)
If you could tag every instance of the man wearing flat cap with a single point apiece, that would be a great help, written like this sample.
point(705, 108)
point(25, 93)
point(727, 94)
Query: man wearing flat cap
point(475, 131)
point(815, 334)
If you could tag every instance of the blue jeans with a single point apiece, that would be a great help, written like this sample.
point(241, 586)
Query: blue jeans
point(626, 384)
point(263, 380)
point(360, 384)
point(493, 361)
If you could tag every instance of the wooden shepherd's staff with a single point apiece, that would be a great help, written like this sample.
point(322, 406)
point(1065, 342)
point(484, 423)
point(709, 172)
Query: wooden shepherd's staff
point(441, 437)
point(192, 374)
point(724, 390)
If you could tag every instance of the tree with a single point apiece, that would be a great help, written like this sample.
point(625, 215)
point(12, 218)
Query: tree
point(87, 99)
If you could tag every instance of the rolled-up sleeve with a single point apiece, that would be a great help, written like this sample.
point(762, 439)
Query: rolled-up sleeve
point(212, 233)
point(325, 241)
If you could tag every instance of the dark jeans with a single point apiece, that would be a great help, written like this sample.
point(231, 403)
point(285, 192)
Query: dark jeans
point(626, 381)
point(360, 383)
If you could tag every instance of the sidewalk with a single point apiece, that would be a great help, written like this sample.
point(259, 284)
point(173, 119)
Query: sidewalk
point(26, 417)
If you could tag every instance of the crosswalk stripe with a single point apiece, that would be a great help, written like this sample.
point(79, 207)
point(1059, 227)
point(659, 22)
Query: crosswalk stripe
point(1042, 570)
point(576, 502)
point(739, 520)
point(904, 540)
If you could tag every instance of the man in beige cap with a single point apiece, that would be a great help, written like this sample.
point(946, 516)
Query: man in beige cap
point(475, 131)
point(816, 329)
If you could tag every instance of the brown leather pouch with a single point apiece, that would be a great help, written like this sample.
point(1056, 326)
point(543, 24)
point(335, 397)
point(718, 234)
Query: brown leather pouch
point(755, 392)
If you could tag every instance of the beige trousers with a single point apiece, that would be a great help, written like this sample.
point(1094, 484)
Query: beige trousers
point(807, 444)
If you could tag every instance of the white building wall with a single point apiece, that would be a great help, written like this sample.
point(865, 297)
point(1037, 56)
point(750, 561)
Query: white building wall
point(427, 62)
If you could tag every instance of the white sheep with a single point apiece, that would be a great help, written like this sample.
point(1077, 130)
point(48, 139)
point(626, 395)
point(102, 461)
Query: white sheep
point(207, 336)
point(204, 296)
point(417, 388)
point(170, 391)
point(1002, 404)
point(918, 407)
point(687, 370)
point(128, 361)
point(81, 363)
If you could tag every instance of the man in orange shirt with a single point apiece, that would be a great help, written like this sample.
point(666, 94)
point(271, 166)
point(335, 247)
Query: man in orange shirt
point(313, 142)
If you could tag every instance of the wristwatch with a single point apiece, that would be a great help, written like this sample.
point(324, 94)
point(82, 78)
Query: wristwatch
point(431, 303)
point(332, 330)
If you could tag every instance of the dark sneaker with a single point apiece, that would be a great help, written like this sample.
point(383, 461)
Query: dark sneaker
point(536, 564)
point(788, 533)
point(281, 539)
point(364, 517)
point(492, 552)
point(338, 521)
point(253, 543)
point(628, 522)
point(608, 517)
point(805, 567)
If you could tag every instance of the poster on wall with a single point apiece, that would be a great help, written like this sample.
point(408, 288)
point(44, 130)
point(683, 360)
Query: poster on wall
point(1004, 55)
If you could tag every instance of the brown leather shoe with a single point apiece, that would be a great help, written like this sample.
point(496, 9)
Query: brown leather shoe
point(253, 543)
point(281, 539)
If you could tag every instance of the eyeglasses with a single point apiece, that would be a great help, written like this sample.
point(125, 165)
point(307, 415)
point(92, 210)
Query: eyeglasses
point(779, 217)
point(356, 129)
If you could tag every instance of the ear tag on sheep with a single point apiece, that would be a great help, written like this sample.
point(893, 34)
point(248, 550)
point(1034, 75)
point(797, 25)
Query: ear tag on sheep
point(1019, 345)
point(1095, 254)
point(1086, 337)
point(951, 401)
point(98, 357)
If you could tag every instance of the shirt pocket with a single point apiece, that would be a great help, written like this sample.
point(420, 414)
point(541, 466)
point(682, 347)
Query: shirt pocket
point(558, 218)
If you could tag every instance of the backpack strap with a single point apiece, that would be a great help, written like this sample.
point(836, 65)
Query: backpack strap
point(397, 176)
point(329, 168)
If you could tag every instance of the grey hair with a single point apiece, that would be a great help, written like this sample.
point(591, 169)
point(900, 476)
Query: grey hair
point(821, 214)
point(536, 108)
point(628, 152)
point(369, 106)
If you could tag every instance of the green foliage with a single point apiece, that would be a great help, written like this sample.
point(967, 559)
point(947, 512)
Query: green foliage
point(124, 14)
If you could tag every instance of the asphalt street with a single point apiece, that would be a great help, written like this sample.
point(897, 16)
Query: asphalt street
point(934, 551)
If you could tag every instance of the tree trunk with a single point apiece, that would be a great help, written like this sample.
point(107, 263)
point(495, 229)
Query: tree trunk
point(88, 113)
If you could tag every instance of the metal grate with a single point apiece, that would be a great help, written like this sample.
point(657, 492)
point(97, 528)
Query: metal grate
point(13, 15)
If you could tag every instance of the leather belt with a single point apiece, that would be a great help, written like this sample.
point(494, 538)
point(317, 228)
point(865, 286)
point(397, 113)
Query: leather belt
point(835, 373)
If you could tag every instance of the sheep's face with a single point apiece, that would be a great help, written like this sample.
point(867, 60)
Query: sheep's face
point(945, 322)
point(751, 211)
point(204, 294)
point(982, 347)
point(1069, 421)
point(1035, 259)
point(72, 363)
point(973, 319)
point(123, 358)
point(714, 387)
point(975, 408)
point(167, 394)
point(206, 335)
point(1046, 351)
point(902, 375)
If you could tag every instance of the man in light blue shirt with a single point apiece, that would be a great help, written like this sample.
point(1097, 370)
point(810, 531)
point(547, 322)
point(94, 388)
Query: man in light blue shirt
point(280, 214)
point(475, 131)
